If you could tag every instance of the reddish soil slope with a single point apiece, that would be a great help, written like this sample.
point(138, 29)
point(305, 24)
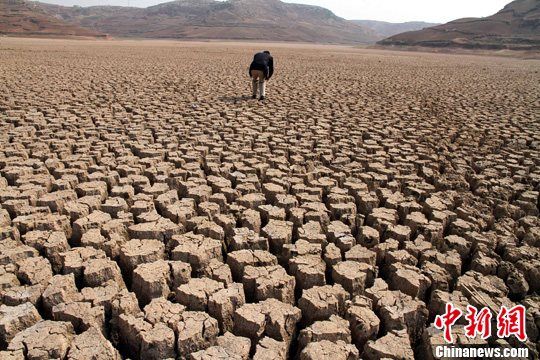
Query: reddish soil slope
point(19, 17)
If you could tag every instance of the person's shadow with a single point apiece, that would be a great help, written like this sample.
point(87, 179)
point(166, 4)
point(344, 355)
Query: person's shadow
point(234, 99)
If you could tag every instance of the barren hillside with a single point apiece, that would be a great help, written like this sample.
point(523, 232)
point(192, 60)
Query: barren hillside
point(517, 26)
point(19, 17)
point(270, 20)
point(385, 29)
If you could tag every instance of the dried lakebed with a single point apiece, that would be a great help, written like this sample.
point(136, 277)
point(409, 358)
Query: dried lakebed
point(151, 210)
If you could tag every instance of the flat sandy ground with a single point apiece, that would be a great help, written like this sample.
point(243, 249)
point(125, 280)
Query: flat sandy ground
point(150, 206)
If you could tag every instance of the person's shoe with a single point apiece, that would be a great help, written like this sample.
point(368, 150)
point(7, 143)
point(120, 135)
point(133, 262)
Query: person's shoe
point(253, 97)
point(262, 98)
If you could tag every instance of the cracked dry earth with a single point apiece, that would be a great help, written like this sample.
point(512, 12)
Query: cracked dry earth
point(149, 211)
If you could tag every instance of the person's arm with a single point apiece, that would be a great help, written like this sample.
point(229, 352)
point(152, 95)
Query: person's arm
point(270, 67)
point(250, 68)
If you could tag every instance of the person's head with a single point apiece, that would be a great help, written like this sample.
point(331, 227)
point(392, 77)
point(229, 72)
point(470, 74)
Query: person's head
point(266, 52)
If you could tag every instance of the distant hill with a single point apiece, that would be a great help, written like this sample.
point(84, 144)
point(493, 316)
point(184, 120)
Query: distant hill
point(385, 29)
point(18, 17)
point(270, 20)
point(517, 27)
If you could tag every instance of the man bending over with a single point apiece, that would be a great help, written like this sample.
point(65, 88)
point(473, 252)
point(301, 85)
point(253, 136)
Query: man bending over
point(261, 70)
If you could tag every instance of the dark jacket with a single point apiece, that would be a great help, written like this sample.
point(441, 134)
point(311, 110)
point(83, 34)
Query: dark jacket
point(263, 62)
